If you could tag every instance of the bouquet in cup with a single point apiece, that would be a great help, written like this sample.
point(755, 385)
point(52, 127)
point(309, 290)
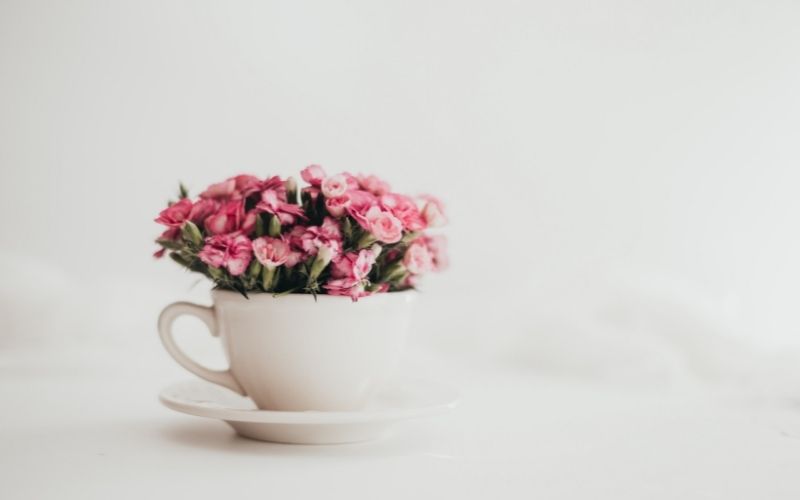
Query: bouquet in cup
point(344, 234)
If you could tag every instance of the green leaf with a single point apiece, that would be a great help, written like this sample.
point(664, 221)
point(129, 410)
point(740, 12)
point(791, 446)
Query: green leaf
point(216, 273)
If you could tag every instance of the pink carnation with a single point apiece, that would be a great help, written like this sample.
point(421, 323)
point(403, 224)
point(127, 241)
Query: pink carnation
point(353, 265)
point(433, 211)
point(232, 251)
point(273, 201)
point(335, 186)
point(230, 218)
point(384, 226)
point(337, 206)
point(418, 258)
point(404, 209)
point(346, 287)
point(373, 184)
point(271, 252)
point(313, 174)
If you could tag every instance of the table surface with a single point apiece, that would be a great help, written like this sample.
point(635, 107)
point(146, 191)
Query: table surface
point(88, 425)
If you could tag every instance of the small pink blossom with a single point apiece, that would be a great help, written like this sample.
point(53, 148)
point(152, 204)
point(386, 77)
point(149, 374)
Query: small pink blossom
point(337, 206)
point(335, 186)
point(232, 251)
point(437, 245)
point(313, 174)
point(220, 190)
point(271, 252)
point(360, 203)
point(354, 265)
point(176, 214)
point(202, 209)
point(346, 287)
point(373, 184)
point(418, 259)
point(310, 239)
point(384, 226)
point(404, 209)
point(227, 219)
point(433, 211)
point(273, 201)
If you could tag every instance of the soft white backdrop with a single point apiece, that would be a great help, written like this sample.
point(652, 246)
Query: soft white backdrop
point(621, 176)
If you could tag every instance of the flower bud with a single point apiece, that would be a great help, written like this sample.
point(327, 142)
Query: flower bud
point(191, 233)
point(291, 190)
point(376, 250)
point(274, 226)
point(323, 258)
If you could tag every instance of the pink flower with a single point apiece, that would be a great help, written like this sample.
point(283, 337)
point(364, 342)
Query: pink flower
point(337, 206)
point(271, 252)
point(227, 219)
point(418, 259)
point(384, 226)
point(433, 211)
point(202, 209)
point(310, 239)
point(232, 251)
point(346, 287)
point(313, 174)
point(360, 203)
point(220, 190)
point(437, 245)
point(352, 181)
point(335, 186)
point(234, 188)
point(274, 201)
point(404, 209)
point(176, 214)
point(330, 229)
point(353, 265)
point(373, 184)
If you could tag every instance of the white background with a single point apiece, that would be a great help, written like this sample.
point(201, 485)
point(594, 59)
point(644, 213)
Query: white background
point(621, 176)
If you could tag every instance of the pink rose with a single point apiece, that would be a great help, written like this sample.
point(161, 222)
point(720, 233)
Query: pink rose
point(418, 259)
point(373, 184)
point(337, 206)
point(335, 186)
point(433, 211)
point(271, 252)
point(227, 219)
point(384, 226)
point(313, 174)
point(404, 209)
point(232, 251)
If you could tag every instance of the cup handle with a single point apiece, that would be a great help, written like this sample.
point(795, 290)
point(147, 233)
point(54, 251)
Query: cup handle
point(206, 315)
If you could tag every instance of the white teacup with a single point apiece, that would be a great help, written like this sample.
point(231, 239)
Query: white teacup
point(294, 353)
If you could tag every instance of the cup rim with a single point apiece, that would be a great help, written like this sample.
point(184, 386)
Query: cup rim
point(232, 295)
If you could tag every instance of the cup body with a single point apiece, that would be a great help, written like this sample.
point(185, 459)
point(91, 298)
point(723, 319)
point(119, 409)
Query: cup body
point(294, 353)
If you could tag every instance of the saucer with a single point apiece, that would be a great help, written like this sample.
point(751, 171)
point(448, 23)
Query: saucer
point(403, 400)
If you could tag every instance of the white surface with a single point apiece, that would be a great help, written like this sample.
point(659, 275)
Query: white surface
point(621, 179)
point(74, 433)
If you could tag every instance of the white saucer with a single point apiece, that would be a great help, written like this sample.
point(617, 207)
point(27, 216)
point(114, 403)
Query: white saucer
point(404, 400)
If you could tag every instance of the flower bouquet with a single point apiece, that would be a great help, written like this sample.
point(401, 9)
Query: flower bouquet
point(341, 235)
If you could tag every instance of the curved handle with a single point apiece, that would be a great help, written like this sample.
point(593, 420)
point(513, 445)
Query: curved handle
point(206, 314)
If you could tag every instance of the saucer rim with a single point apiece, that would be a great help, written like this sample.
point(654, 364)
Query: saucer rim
point(449, 402)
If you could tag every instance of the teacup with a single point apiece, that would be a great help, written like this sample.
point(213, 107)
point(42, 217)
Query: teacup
point(295, 353)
